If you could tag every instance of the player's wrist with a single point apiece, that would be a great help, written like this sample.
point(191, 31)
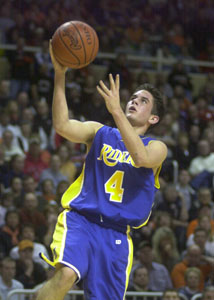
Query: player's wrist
point(60, 72)
point(116, 112)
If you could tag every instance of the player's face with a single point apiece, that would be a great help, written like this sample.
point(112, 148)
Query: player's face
point(139, 108)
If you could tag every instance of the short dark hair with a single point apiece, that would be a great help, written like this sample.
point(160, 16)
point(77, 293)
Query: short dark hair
point(144, 244)
point(158, 103)
point(138, 268)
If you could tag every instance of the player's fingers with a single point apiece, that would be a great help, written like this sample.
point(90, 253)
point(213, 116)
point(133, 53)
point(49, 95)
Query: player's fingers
point(117, 84)
point(50, 47)
point(104, 87)
point(51, 50)
point(101, 92)
point(53, 59)
point(111, 80)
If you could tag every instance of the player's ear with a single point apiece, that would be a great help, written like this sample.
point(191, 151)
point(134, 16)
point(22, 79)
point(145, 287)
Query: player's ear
point(154, 119)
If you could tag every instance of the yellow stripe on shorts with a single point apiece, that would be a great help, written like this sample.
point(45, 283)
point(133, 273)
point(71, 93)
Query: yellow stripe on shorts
point(58, 244)
point(130, 259)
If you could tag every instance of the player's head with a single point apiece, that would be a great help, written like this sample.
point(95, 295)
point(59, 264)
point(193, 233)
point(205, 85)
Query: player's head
point(158, 99)
point(154, 103)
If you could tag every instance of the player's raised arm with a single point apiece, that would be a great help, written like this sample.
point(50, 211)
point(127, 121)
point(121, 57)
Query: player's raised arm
point(73, 130)
point(136, 122)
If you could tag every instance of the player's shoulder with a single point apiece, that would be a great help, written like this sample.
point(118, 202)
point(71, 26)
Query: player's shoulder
point(99, 127)
point(95, 125)
point(158, 142)
point(157, 146)
point(152, 140)
point(94, 128)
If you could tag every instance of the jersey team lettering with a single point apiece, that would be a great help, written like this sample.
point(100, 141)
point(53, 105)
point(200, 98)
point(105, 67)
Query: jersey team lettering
point(112, 156)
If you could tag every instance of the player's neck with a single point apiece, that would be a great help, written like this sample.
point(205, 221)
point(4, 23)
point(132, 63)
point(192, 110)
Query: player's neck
point(141, 130)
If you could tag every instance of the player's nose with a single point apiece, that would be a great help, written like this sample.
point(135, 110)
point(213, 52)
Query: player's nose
point(134, 101)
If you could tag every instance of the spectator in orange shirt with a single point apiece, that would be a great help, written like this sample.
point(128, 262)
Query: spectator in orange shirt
point(177, 39)
point(203, 211)
point(193, 259)
point(134, 32)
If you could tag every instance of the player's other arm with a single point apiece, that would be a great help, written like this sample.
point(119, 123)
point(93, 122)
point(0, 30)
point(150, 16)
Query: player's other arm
point(150, 156)
point(73, 130)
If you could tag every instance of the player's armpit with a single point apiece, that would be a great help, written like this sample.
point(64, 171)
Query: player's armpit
point(156, 154)
point(79, 132)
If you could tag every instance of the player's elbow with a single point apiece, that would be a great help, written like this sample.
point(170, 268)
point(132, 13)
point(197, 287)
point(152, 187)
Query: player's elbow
point(145, 163)
point(58, 127)
point(141, 162)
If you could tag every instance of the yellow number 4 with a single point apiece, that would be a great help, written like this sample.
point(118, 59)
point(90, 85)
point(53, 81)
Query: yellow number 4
point(114, 186)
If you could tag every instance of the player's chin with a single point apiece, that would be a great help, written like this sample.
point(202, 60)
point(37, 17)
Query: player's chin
point(130, 114)
point(131, 118)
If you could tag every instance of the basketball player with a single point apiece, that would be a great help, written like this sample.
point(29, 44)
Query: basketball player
point(114, 192)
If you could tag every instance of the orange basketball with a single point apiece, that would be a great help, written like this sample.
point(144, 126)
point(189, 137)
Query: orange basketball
point(75, 44)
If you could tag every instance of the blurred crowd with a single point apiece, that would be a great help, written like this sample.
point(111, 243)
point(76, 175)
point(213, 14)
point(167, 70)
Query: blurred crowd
point(175, 250)
point(181, 28)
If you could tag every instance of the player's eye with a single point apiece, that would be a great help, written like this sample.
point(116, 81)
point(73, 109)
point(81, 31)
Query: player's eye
point(144, 100)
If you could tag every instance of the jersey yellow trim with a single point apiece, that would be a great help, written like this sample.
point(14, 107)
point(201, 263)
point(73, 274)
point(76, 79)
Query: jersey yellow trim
point(130, 259)
point(157, 183)
point(62, 219)
point(74, 190)
point(144, 222)
point(98, 128)
point(48, 261)
point(58, 244)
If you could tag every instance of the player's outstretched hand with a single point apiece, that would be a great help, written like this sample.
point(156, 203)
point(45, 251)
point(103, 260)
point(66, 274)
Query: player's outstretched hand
point(112, 95)
point(57, 66)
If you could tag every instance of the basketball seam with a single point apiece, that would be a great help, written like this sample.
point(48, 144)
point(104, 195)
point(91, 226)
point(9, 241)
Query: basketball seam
point(81, 39)
point(68, 47)
point(64, 60)
point(93, 46)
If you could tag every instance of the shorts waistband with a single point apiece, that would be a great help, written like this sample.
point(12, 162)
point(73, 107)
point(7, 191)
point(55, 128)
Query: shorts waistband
point(101, 220)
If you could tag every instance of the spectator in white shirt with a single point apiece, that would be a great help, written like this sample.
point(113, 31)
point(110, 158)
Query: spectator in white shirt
point(10, 148)
point(7, 281)
point(202, 166)
point(204, 161)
